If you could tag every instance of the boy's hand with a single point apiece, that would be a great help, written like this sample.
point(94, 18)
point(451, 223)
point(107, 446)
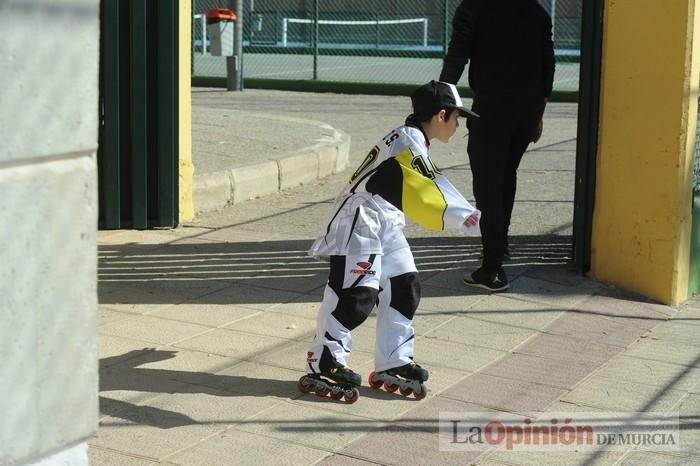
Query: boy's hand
point(472, 220)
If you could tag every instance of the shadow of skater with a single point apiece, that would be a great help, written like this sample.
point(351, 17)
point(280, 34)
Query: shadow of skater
point(123, 373)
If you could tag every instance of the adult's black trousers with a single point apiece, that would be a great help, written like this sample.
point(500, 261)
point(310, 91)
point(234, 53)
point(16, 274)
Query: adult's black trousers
point(497, 142)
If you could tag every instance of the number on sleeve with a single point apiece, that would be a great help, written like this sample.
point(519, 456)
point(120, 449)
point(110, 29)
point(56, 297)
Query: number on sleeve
point(420, 166)
point(391, 138)
point(369, 160)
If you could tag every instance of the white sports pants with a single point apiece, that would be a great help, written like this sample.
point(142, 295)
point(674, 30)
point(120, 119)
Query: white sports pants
point(355, 285)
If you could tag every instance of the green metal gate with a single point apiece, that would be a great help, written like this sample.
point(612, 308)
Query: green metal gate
point(694, 279)
point(587, 138)
point(138, 147)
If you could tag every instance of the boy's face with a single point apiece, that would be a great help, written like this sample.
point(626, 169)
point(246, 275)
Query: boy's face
point(446, 127)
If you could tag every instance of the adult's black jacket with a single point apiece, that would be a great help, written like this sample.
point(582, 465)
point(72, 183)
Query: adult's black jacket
point(508, 45)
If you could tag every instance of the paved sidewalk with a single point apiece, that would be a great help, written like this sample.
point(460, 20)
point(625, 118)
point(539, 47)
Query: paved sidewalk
point(240, 154)
point(203, 330)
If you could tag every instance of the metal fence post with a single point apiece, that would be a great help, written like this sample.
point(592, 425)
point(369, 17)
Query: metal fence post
point(234, 63)
point(315, 37)
point(445, 26)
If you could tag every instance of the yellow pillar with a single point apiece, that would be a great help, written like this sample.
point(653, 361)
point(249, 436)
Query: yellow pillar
point(186, 207)
point(648, 111)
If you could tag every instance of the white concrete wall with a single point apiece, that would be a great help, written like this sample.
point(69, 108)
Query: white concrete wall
point(49, 52)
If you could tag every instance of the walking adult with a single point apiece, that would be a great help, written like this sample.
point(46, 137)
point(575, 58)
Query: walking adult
point(508, 46)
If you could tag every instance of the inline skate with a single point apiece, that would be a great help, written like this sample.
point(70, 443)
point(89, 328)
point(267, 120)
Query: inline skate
point(407, 379)
point(340, 382)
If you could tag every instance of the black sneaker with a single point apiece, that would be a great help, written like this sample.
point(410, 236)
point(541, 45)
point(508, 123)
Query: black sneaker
point(487, 281)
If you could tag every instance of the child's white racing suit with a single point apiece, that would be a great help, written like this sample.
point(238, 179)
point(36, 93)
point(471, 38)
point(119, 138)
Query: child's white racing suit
point(370, 260)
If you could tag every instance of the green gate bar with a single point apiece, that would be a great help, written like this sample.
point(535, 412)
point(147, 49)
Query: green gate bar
point(139, 151)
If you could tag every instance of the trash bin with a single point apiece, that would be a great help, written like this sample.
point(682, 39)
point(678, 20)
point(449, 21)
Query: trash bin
point(220, 23)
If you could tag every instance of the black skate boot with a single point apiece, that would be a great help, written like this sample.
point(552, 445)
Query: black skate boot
point(407, 379)
point(340, 382)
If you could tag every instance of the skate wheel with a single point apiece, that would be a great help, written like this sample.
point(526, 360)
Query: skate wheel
point(351, 398)
point(372, 382)
point(422, 394)
point(303, 386)
point(405, 391)
point(337, 396)
point(390, 387)
point(322, 392)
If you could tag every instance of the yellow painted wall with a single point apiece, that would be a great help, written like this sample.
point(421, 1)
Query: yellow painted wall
point(648, 109)
point(186, 207)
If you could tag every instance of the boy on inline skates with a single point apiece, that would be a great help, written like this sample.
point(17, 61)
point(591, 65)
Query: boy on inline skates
point(370, 260)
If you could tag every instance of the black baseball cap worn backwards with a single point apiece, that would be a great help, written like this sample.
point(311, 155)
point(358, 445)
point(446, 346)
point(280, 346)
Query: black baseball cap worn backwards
point(430, 98)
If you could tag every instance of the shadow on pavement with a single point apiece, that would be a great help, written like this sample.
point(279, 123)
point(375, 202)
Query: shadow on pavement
point(123, 373)
point(256, 272)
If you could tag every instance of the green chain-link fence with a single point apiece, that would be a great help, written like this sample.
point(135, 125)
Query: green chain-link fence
point(363, 41)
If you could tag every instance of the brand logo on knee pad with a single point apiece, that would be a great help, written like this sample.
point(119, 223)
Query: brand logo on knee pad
point(364, 269)
point(310, 357)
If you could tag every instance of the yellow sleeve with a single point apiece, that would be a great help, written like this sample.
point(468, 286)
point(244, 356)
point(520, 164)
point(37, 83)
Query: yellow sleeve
point(421, 199)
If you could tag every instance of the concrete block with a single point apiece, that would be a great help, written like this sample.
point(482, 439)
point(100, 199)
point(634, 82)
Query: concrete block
point(297, 169)
point(253, 181)
point(76, 455)
point(211, 191)
point(342, 152)
point(53, 95)
point(327, 160)
point(48, 307)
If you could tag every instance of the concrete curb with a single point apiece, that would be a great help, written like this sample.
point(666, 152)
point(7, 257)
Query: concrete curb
point(329, 154)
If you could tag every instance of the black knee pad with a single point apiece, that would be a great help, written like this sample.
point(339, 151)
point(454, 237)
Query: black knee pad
point(405, 294)
point(354, 305)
